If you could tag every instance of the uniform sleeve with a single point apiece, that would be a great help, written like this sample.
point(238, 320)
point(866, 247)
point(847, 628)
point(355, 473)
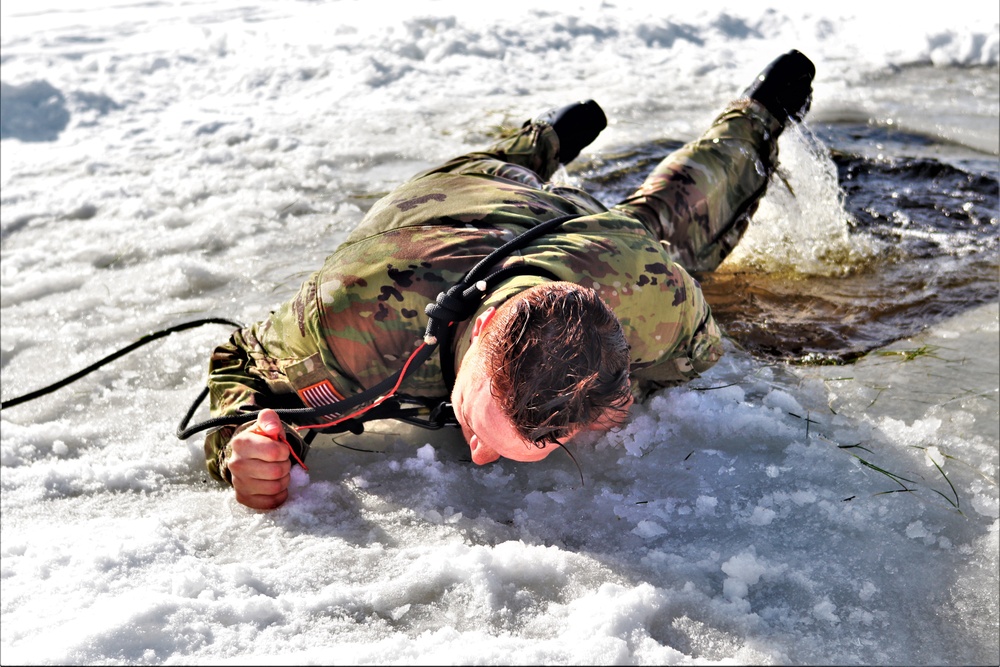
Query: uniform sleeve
point(700, 349)
point(235, 386)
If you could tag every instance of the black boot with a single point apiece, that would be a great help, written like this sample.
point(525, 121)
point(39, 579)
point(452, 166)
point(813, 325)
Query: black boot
point(785, 87)
point(576, 125)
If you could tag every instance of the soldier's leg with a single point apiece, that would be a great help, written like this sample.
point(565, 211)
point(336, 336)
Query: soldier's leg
point(533, 153)
point(699, 199)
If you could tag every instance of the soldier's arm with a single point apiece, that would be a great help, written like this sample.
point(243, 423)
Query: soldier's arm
point(697, 350)
point(233, 389)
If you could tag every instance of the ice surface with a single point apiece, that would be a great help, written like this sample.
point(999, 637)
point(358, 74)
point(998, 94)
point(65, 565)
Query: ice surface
point(216, 151)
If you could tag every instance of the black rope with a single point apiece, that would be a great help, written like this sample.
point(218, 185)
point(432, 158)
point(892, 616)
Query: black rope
point(302, 415)
point(515, 244)
point(148, 338)
point(447, 353)
point(462, 300)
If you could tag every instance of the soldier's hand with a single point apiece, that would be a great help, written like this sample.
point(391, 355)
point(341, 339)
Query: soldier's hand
point(259, 463)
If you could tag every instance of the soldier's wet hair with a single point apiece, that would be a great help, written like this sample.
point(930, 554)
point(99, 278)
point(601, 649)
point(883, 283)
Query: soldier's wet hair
point(559, 362)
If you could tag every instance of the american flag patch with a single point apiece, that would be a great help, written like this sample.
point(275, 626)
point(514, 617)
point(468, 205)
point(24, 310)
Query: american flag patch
point(319, 394)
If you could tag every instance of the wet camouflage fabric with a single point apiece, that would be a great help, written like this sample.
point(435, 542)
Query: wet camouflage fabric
point(700, 198)
point(355, 320)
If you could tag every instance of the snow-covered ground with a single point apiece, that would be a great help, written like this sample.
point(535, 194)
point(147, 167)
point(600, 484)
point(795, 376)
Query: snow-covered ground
point(177, 160)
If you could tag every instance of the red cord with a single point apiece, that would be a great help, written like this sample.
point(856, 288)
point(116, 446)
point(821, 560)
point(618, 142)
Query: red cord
point(281, 438)
point(377, 401)
point(361, 411)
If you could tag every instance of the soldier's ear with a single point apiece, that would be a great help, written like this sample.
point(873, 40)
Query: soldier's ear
point(480, 323)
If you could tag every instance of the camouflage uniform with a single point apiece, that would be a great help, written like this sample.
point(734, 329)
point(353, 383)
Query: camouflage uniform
point(356, 320)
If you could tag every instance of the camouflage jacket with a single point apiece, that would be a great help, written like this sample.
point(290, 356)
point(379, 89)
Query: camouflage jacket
point(355, 321)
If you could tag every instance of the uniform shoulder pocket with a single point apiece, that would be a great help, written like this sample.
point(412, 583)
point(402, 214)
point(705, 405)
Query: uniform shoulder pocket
point(315, 383)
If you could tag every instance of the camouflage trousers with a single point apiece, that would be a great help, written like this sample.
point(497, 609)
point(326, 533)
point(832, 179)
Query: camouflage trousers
point(699, 199)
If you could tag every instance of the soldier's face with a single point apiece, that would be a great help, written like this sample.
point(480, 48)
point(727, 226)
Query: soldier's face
point(486, 428)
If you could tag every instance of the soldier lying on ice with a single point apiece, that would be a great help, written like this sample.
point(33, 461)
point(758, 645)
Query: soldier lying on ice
point(594, 313)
